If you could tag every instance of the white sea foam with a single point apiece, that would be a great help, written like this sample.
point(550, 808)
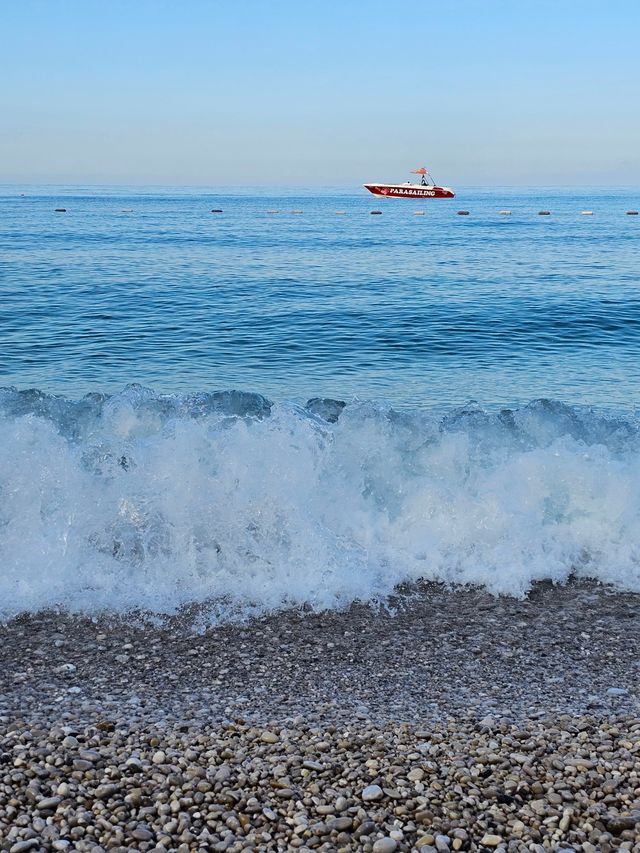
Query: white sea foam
point(148, 501)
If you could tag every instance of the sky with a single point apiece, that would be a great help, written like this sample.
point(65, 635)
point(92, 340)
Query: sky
point(319, 92)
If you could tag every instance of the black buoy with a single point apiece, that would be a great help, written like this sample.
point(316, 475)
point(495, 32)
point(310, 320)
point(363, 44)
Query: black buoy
point(216, 210)
point(632, 212)
point(60, 210)
point(376, 213)
point(544, 213)
point(463, 213)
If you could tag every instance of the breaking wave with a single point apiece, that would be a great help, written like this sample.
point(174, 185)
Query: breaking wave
point(140, 500)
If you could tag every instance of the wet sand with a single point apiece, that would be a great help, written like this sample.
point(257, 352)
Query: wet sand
point(485, 723)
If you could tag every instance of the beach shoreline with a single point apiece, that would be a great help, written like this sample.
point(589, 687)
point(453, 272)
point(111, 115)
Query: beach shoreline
point(430, 652)
point(448, 720)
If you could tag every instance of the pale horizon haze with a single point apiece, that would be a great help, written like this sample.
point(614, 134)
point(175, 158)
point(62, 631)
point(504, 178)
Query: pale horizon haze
point(317, 93)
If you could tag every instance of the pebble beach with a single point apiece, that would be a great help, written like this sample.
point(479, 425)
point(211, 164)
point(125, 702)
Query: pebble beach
point(319, 469)
point(447, 719)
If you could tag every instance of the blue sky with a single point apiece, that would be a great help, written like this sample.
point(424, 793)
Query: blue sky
point(292, 92)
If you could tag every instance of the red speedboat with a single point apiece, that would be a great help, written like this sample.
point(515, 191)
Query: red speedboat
point(427, 188)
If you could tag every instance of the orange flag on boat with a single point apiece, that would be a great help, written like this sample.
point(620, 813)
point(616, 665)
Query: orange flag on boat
point(421, 171)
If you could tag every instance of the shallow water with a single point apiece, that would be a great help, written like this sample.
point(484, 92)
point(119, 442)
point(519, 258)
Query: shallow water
point(213, 479)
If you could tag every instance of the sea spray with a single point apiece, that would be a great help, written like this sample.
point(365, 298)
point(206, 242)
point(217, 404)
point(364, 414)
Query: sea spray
point(141, 500)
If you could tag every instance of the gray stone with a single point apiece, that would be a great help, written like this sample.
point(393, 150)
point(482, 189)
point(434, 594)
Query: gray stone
point(141, 833)
point(340, 824)
point(48, 804)
point(385, 845)
point(103, 792)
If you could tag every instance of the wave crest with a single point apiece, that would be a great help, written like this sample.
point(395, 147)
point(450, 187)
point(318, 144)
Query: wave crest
point(141, 500)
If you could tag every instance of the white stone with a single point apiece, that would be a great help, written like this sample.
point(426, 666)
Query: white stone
point(372, 793)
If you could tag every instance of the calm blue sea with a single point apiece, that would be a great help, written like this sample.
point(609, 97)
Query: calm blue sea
point(151, 287)
point(293, 401)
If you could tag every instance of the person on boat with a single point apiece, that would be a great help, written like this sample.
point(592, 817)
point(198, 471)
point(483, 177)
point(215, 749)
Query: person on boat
point(424, 181)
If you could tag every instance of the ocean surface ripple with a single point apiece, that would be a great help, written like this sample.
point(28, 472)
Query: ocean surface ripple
point(150, 287)
point(152, 501)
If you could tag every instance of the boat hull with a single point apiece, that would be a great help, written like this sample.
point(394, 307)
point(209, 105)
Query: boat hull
point(409, 191)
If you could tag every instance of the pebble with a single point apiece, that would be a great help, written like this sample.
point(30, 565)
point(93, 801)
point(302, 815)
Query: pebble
point(490, 840)
point(48, 804)
point(142, 834)
point(89, 755)
point(618, 823)
point(385, 845)
point(197, 778)
point(565, 821)
point(341, 804)
point(103, 792)
point(269, 737)
point(340, 824)
point(372, 793)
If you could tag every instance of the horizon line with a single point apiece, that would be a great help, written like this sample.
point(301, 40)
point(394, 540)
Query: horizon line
point(353, 186)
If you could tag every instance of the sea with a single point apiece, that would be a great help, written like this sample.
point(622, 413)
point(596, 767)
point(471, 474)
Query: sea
point(251, 400)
